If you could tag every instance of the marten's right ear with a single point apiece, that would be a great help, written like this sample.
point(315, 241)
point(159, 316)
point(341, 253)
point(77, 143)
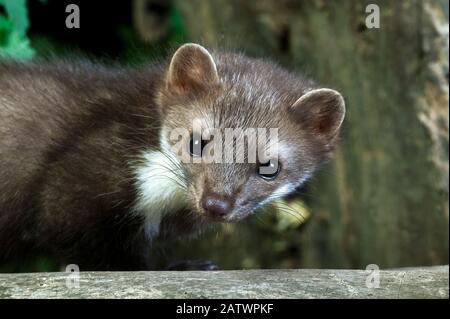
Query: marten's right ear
point(191, 68)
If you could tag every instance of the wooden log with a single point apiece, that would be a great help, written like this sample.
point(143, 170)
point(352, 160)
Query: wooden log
point(424, 282)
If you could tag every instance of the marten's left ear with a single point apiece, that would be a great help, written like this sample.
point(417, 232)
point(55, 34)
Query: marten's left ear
point(191, 68)
point(321, 111)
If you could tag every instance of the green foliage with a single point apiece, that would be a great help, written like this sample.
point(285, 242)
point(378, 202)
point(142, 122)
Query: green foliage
point(13, 27)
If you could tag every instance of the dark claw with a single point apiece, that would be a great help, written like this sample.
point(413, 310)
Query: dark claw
point(192, 265)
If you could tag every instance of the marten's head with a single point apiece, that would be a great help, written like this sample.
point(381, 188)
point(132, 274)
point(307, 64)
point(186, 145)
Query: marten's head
point(237, 133)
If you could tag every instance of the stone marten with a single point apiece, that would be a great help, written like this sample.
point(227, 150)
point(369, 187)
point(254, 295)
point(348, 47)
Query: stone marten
point(88, 171)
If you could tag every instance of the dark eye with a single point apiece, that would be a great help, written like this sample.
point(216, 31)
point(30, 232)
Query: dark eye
point(269, 170)
point(196, 146)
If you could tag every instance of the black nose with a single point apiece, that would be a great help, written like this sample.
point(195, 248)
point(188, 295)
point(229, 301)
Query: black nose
point(216, 205)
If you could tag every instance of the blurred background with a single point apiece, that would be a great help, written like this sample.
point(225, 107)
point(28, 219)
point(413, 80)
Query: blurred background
point(382, 200)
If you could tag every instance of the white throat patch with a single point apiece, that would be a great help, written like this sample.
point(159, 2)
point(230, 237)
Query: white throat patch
point(160, 188)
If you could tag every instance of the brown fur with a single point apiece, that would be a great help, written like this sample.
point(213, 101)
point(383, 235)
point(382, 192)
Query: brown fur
point(69, 131)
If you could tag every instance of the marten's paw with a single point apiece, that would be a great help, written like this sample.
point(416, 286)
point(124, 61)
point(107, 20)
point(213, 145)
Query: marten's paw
point(192, 265)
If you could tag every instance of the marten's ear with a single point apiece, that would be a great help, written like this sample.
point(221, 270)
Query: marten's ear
point(321, 111)
point(192, 67)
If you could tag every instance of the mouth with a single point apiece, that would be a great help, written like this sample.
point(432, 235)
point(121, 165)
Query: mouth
point(226, 220)
point(231, 218)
